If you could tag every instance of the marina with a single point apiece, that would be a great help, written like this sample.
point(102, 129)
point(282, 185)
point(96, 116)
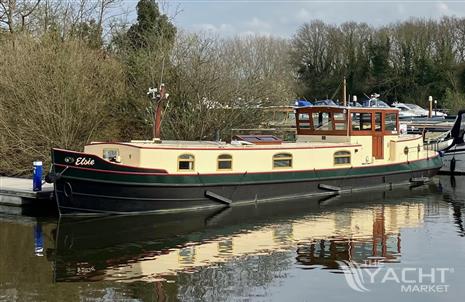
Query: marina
point(237, 151)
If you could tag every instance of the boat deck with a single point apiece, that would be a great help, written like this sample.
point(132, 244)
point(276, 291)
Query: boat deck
point(216, 145)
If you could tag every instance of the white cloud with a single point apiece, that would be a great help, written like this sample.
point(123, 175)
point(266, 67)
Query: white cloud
point(283, 18)
point(401, 9)
point(258, 24)
point(443, 8)
point(255, 33)
point(304, 15)
point(225, 29)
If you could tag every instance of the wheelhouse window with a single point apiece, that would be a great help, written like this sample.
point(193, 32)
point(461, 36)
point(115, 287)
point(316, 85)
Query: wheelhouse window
point(390, 122)
point(282, 160)
point(341, 158)
point(304, 120)
point(224, 162)
point(186, 162)
point(378, 118)
point(361, 121)
point(342, 121)
point(111, 155)
point(322, 121)
point(339, 121)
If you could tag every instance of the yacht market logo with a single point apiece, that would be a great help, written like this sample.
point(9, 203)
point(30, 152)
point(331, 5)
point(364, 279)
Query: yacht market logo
point(354, 275)
point(361, 278)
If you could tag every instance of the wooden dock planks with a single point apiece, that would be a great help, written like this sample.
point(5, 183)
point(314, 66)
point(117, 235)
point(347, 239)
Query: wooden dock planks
point(18, 191)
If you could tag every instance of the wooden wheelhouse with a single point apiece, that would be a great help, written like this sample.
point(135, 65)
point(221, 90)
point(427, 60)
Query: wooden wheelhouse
point(349, 121)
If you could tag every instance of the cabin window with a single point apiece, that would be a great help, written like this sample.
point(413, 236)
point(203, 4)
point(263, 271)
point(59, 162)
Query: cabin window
point(186, 162)
point(322, 121)
point(282, 160)
point(224, 162)
point(342, 158)
point(361, 121)
point(111, 155)
point(390, 122)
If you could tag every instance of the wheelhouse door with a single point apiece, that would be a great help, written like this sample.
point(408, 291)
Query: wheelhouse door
point(377, 136)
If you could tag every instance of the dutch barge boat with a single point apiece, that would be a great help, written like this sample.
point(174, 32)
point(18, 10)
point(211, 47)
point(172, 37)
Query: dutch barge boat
point(337, 149)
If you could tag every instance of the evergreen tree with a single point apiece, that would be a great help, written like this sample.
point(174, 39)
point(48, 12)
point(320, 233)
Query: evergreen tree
point(144, 48)
point(152, 27)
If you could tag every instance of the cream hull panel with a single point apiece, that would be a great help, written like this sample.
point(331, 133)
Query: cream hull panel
point(252, 159)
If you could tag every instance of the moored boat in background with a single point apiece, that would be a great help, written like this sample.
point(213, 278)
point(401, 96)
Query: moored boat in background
point(452, 146)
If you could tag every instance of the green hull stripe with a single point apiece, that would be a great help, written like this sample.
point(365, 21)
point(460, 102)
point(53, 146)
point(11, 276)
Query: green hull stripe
point(427, 164)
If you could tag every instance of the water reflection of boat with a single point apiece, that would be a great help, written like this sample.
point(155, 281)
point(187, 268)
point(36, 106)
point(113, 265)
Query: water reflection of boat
point(156, 246)
point(383, 243)
point(453, 189)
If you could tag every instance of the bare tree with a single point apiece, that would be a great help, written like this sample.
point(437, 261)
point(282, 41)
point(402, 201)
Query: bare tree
point(54, 94)
point(14, 13)
point(223, 83)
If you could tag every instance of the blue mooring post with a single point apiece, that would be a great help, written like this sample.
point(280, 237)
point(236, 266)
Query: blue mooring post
point(38, 240)
point(37, 176)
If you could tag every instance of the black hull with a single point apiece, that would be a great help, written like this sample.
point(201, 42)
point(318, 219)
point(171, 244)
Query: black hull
point(90, 197)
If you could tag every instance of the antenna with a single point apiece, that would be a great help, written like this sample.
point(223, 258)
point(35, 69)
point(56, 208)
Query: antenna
point(162, 69)
point(153, 93)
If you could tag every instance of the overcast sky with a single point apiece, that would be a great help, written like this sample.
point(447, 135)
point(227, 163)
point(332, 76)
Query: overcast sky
point(282, 18)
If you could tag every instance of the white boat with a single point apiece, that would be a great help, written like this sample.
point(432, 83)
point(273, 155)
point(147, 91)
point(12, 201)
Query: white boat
point(405, 111)
point(413, 110)
point(375, 102)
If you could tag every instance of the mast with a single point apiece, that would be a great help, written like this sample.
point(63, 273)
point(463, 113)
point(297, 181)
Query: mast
point(159, 97)
point(344, 92)
point(430, 107)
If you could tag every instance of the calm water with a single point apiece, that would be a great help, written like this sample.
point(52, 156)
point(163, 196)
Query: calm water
point(287, 251)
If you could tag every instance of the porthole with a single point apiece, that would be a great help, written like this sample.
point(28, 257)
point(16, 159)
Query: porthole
point(341, 158)
point(186, 162)
point(282, 160)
